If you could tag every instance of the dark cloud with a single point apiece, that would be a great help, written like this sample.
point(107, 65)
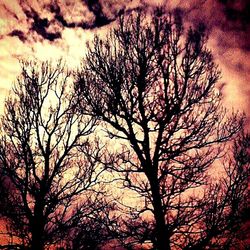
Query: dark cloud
point(237, 22)
point(55, 8)
point(98, 15)
point(237, 13)
point(40, 25)
point(96, 8)
point(231, 17)
point(18, 33)
point(227, 15)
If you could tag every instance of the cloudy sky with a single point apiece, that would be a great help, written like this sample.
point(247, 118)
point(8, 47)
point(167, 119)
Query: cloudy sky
point(46, 29)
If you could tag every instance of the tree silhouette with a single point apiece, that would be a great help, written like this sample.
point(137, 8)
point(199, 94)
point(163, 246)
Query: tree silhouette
point(153, 86)
point(226, 202)
point(50, 179)
point(96, 229)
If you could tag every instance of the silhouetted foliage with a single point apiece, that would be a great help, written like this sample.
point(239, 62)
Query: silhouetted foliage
point(47, 158)
point(152, 84)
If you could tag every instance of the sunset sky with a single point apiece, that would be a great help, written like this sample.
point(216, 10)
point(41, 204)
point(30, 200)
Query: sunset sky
point(46, 29)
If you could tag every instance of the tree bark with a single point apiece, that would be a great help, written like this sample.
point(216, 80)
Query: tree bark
point(162, 235)
point(37, 227)
point(37, 241)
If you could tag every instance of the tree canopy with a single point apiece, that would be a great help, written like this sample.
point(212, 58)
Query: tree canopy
point(153, 84)
point(49, 178)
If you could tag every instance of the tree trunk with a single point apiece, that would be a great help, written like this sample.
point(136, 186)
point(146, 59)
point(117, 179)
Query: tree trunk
point(162, 236)
point(37, 242)
point(37, 226)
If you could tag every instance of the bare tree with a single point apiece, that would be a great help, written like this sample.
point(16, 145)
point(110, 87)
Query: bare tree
point(152, 84)
point(49, 177)
point(226, 203)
